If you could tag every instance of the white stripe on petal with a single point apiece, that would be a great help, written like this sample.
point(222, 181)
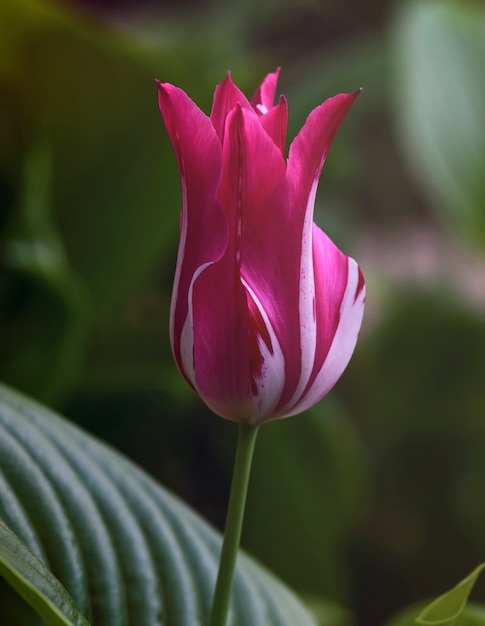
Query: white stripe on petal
point(343, 344)
point(271, 379)
point(187, 335)
point(262, 109)
point(184, 223)
point(308, 322)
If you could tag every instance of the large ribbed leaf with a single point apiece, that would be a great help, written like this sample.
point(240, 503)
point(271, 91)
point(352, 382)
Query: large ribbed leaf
point(125, 550)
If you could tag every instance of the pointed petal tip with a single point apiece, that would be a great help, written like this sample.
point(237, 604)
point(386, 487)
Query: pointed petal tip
point(164, 89)
point(164, 95)
point(161, 85)
point(227, 79)
point(355, 94)
point(350, 97)
point(265, 93)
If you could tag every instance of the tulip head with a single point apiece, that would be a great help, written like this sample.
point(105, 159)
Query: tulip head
point(265, 309)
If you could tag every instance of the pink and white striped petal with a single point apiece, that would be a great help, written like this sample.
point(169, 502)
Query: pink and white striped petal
point(220, 323)
point(203, 226)
point(337, 328)
point(266, 360)
point(252, 167)
point(309, 149)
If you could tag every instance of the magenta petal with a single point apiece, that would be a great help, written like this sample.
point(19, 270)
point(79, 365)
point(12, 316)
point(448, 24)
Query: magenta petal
point(271, 262)
point(203, 236)
point(252, 167)
point(282, 272)
point(310, 147)
point(339, 309)
point(237, 361)
point(275, 123)
point(220, 348)
point(263, 98)
point(266, 360)
point(226, 97)
point(305, 161)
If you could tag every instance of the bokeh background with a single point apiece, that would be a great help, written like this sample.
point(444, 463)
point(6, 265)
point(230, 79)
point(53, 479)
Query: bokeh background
point(376, 498)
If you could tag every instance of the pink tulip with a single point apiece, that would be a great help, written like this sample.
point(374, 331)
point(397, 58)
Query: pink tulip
point(265, 309)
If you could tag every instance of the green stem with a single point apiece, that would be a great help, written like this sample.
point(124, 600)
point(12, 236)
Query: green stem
point(235, 513)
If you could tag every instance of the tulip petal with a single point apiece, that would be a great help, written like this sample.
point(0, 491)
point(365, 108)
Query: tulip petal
point(226, 96)
point(263, 98)
point(339, 309)
point(278, 259)
point(220, 320)
point(275, 123)
point(305, 161)
point(309, 149)
point(203, 236)
point(228, 320)
point(270, 266)
point(267, 363)
point(237, 361)
point(252, 167)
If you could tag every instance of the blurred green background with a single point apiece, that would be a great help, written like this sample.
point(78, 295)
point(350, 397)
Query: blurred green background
point(375, 498)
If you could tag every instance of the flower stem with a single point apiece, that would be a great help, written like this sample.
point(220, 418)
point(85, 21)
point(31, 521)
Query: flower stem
point(235, 513)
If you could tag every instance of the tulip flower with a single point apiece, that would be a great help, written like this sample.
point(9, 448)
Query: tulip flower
point(265, 308)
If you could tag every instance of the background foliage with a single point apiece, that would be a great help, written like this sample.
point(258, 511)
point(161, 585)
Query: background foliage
point(375, 499)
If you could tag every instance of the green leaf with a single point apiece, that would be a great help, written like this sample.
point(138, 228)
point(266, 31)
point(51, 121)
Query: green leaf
point(473, 615)
point(446, 609)
point(125, 550)
point(35, 583)
point(439, 87)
